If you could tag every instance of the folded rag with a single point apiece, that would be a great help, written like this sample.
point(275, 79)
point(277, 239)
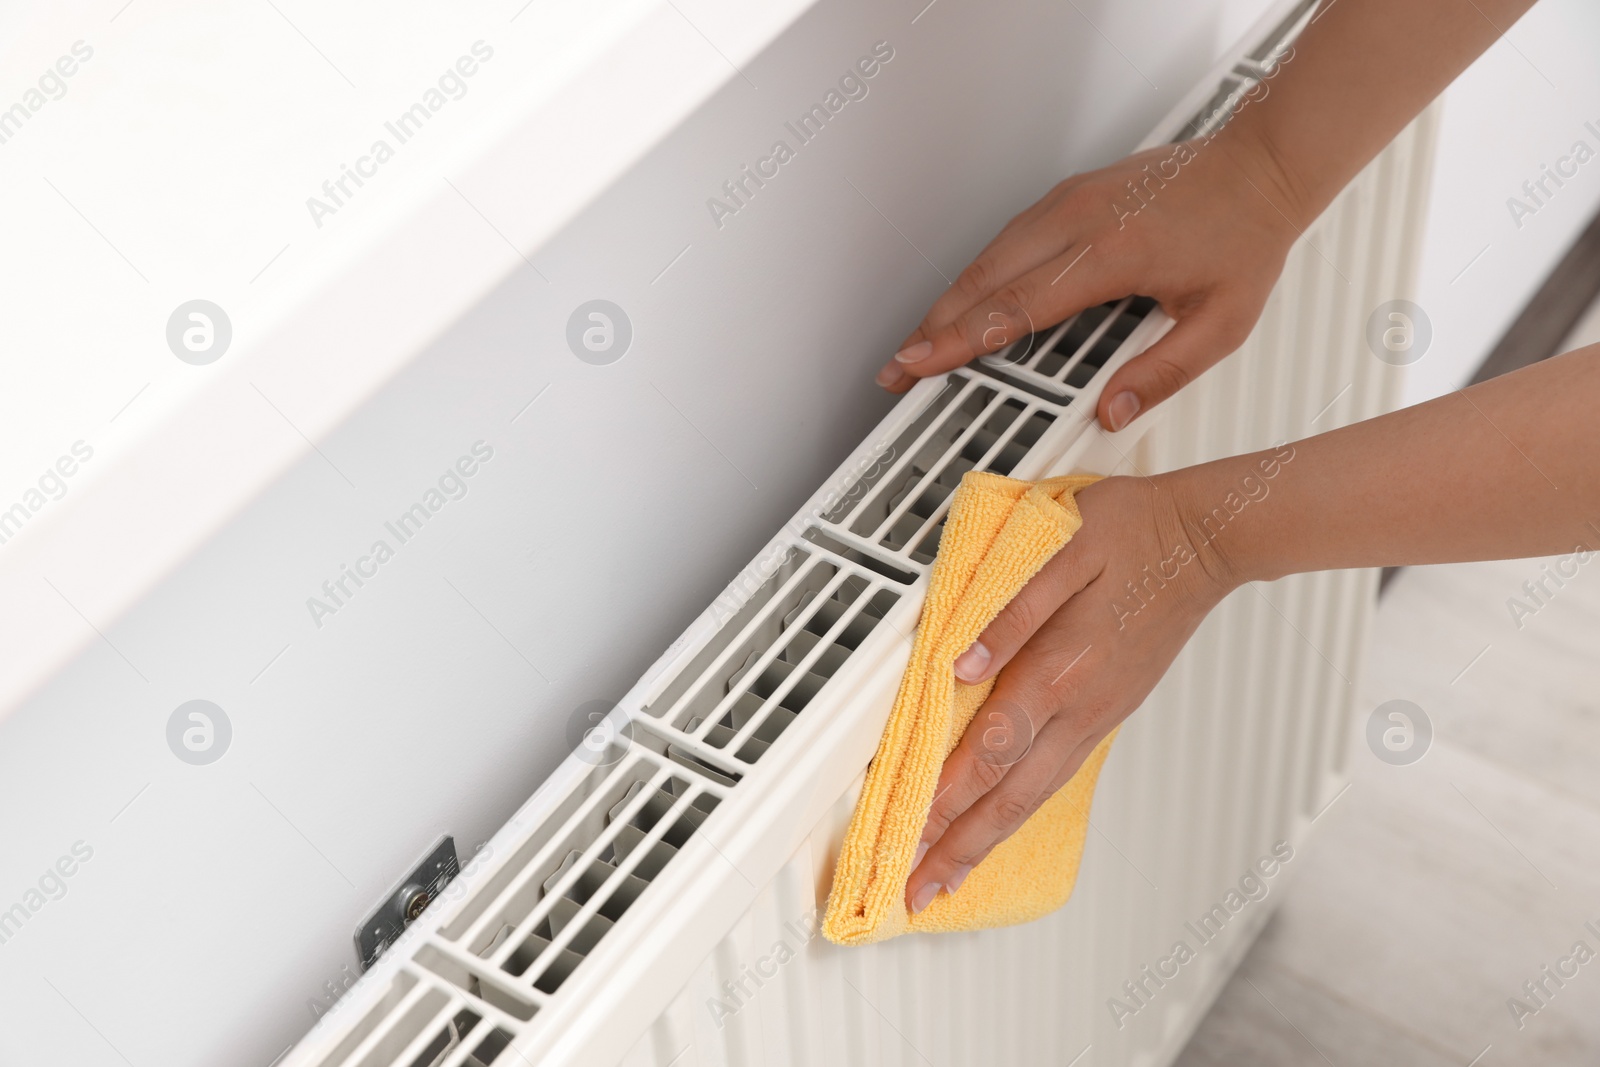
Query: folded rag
point(999, 532)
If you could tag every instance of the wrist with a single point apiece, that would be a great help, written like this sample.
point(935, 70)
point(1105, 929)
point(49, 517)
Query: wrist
point(1290, 197)
point(1225, 518)
point(1200, 574)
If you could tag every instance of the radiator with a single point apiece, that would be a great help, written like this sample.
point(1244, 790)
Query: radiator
point(657, 901)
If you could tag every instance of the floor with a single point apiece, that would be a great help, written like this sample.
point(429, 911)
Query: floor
point(1434, 890)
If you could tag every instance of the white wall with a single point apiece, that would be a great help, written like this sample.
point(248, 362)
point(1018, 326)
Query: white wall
point(1522, 105)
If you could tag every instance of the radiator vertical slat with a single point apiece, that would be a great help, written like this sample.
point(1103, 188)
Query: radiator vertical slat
point(1267, 664)
point(1243, 437)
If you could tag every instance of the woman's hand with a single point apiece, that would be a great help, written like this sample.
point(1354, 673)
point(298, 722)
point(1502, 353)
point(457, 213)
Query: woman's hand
point(1092, 633)
point(1203, 227)
point(1076, 651)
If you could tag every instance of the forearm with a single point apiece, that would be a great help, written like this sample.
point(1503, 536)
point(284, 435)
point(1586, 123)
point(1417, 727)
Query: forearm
point(1357, 75)
point(1506, 469)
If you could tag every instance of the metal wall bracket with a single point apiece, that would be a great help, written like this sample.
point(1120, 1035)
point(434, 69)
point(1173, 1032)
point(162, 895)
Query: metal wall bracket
point(407, 901)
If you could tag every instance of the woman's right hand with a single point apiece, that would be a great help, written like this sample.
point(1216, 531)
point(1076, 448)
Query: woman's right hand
point(1202, 226)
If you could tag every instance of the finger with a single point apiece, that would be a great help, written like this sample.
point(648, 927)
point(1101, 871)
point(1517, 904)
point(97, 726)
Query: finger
point(994, 817)
point(1015, 251)
point(1062, 578)
point(952, 878)
point(1002, 734)
point(1045, 677)
point(1041, 298)
point(1071, 729)
point(1079, 755)
point(998, 737)
point(1018, 249)
point(1029, 240)
point(894, 378)
point(1190, 348)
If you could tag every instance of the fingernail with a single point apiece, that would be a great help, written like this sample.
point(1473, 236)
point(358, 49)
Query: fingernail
point(1124, 406)
point(924, 897)
point(922, 850)
point(915, 353)
point(956, 879)
point(971, 664)
point(891, 375)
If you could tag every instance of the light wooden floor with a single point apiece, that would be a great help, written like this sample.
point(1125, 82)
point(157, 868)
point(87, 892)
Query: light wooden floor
point(1431, 892)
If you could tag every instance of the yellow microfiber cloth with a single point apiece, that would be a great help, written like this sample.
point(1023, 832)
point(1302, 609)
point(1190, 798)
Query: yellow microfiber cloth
point(999, 532)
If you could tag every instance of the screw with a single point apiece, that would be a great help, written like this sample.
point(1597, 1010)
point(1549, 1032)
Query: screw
point(415, 904)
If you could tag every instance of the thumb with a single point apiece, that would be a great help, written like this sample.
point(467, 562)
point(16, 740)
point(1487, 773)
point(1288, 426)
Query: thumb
point(1188, 349)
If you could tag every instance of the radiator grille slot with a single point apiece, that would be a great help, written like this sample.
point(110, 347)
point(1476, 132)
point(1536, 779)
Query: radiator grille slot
point(775, 665)
point(1060, 362)
point(685, 758)
point(928, 495)
point(709, 679)
point(902, 444)
point(488, 1050)
point(1077, 332)
point(987, 431)
point(884, 507)
point(1020, 443)
point(818, 638)
point(586, 895)
point(783, 567)
point(449, 1037)
point(419, 1024)
point(580, 900)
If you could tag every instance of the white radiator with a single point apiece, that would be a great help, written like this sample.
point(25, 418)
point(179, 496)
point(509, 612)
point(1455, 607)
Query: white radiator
point(657, 901)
